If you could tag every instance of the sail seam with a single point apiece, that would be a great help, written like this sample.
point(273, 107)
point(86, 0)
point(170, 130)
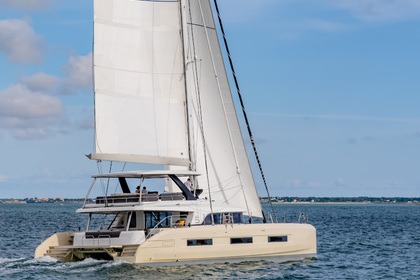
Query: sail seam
point(141, 72)
point(201, 25)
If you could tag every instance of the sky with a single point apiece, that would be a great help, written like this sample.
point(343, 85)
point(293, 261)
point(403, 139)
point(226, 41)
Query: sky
point(331, 87)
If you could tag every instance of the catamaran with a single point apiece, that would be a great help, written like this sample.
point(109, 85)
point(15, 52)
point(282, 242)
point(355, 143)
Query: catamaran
point(162, 98)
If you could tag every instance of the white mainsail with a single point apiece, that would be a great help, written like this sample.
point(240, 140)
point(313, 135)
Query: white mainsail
point(139, 82)
point(162, 95)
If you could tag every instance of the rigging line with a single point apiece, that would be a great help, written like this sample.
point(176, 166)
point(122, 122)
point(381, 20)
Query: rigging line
point(107, 184)
point(101, 180)
point(200, 112)
point(243, 106)
point(184, 69)
point(95, 138)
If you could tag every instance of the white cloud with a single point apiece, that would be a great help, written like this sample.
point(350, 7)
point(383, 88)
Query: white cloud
point(78, 74)
point(380, 10)
point(33, 110)
point(2, 178)
point(18, 101)
point(26, 4)
point(29, 114)
point(19, 42)
point(40, 82)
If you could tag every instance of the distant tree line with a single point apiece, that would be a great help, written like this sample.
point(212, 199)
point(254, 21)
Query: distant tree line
point(359, 199)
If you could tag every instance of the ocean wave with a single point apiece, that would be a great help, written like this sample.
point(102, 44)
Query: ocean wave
point(47, 267)
point(4, 261)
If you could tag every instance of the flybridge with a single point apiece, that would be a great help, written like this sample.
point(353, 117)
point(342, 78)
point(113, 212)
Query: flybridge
point(152, 174)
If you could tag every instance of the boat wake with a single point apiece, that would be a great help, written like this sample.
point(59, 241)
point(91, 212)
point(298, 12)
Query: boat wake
point(47, 267)
point(50, 268)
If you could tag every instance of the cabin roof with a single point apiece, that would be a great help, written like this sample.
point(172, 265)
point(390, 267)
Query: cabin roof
point(148, 174)
point(183, 206)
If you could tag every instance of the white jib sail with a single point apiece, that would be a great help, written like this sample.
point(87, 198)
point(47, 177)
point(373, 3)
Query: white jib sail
point(139, 82)
point(215, 135)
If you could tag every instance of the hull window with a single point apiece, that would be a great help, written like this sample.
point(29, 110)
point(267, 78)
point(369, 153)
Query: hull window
point(277, 238)
point(241, 240)
point(200, 242)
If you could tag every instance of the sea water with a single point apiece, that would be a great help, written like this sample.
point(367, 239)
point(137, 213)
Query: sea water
point(354, 242)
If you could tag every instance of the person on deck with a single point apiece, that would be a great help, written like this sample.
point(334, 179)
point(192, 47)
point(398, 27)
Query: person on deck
point(188, 185)
point(138, 189)
point(144, 191)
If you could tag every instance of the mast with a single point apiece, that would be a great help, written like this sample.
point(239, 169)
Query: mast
point(183, 28)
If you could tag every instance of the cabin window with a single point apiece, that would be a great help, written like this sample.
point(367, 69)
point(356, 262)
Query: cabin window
point(238, 218)
point(277, 238)
point(199, 242)
point(241, 240)
point(101, 221)
point(220, 218)
point(133, 221)
point(160, 219)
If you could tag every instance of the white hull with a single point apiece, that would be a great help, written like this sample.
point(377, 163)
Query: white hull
point(169, 246)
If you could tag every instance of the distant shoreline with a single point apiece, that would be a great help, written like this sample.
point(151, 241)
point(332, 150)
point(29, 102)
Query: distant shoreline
point(264, 200)
point(341, 203)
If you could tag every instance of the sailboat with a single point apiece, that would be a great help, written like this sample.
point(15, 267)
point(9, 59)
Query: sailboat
point(162, 98)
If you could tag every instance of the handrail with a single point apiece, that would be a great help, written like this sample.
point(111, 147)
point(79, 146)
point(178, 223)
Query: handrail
point(87, 195)
point(178, 217)
point(135, 198)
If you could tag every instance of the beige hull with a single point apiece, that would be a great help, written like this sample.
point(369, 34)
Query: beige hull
point(169, 246)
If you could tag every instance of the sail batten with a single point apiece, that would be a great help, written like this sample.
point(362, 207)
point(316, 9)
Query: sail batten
point(140, 158)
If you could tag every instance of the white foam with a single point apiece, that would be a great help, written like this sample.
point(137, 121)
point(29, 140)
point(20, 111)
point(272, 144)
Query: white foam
point(46, 259)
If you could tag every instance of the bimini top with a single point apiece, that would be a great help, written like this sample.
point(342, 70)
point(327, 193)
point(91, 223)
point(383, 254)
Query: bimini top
point(148, 174)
